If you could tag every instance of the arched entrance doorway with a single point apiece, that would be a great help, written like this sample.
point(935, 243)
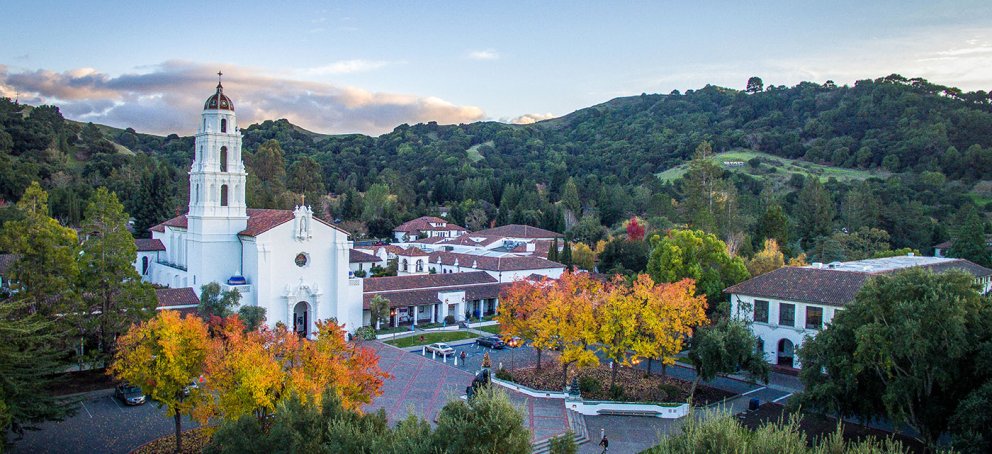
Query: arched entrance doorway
point(301, 318)
point(786, 353)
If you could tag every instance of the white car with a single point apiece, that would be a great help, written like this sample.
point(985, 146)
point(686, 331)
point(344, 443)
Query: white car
point(441, 349)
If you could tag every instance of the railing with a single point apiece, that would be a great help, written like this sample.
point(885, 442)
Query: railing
point(171, 265)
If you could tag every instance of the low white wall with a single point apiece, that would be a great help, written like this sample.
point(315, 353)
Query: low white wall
point(593, 408)
point(481, 324)
point(660, 411)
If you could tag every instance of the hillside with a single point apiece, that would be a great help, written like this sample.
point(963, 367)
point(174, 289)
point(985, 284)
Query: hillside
point(763, 165)
point(922, 150)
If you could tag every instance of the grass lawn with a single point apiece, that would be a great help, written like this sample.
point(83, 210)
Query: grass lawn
point(784, 167)
point(430, 338)
point(494, 329)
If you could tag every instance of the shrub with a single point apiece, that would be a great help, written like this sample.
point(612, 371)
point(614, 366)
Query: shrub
point(669, 390)
point(366, 333)
point(616, 392)
point(563, 444)
point(361, 273)
point(588, 385)
point(504, 374)
point(449, 319)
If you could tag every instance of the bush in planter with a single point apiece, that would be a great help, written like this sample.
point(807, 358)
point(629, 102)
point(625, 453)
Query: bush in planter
point(616, 393)
point(449, 319)
point(563, 444)
point(669, 392)
point(504, 374)
point(361, 273)
point(365, 332)
point(588, 385)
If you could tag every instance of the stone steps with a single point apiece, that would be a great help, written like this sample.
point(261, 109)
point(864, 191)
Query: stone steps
point(577, 424)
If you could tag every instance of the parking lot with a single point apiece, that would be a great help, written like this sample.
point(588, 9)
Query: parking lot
point(102, 424)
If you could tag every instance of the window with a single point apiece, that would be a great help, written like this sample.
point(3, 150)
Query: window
point(761, 311)
point(814, 317)
point(223, 159)
point(144, 265)
point(787, 314)
point(223, 125)
point(302, 260)
point(223, 195)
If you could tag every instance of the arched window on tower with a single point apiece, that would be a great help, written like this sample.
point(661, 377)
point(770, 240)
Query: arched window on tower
point(223, 159)
point(223, 125)
point(144, 265)
point(223, 195)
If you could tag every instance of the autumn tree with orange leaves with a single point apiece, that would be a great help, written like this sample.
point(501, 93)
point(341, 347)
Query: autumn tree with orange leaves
point(248, 373)
point(567, 321)
point(520, 308)
point(163, 356)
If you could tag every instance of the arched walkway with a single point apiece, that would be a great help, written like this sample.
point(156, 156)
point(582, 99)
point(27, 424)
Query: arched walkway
point(786, 353)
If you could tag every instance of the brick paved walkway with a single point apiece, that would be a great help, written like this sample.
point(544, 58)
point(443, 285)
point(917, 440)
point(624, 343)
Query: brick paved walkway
point(422, 386)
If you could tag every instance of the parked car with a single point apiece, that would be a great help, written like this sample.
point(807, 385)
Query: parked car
point(129, 394)
point(515, 342)
point(493, 342)
point(441, 348)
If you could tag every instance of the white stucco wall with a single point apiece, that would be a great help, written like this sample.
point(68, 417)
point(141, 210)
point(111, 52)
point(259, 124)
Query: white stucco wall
point(770, 333)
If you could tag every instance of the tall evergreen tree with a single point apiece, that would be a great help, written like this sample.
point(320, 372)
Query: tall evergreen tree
point(28, 363)
point(113, 294)
point(570, 197)
point(553, 251)
point(814, 212)
point(566, 256)
point(702, 187)
point(968, 237)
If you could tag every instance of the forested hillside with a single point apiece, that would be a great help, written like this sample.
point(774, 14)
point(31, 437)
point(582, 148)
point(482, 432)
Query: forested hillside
point(921, 151)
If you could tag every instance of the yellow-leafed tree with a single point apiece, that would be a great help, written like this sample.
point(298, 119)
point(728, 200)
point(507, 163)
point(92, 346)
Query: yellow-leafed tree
point(519, 311)
point(669, 314)
point(567, 322)
point(163, 356)
point(770, 258)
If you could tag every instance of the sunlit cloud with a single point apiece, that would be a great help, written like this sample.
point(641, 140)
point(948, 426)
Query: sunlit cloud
point(345, 67)
point(167, 98)
point(531, 118)
point(488, 54)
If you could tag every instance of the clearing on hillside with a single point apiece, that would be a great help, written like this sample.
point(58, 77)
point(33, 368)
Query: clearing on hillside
point(771, 166)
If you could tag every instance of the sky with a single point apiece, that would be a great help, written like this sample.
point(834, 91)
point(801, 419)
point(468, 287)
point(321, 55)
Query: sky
point(366, 67)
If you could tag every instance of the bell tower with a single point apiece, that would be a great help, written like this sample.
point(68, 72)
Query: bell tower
point(217, 211)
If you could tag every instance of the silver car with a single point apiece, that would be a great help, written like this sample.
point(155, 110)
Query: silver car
point(441, 348)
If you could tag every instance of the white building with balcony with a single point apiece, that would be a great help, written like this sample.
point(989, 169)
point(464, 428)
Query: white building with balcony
point(789, 304)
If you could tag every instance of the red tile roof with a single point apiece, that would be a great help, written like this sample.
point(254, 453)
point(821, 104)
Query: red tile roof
point(424, 223)
point(147, 245)
point(412, 252)
point(828, 286)
point(417, 297)
point(259, 221)
point(518, 231)
point(178, 222)
point(355, 256)
point(420, 281)
point(171, 297)
point(504, 263)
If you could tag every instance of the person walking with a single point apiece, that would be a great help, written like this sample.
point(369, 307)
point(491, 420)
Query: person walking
point(463, 356)
point(605, 443)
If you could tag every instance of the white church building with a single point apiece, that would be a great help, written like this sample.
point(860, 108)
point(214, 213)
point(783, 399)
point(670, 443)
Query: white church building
point(289, 262)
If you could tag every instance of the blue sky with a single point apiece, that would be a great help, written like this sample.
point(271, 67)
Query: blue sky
point(340, 67)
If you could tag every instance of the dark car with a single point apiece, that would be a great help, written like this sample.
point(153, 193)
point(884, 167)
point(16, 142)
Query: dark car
point(493, 342)
point(129, 394)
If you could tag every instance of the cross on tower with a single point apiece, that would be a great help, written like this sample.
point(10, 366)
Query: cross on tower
point(219, 73)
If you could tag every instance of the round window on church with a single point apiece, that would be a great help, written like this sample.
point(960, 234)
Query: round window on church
point(302, 260)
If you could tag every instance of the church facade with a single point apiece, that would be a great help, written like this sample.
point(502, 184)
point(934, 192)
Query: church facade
point(289, 262)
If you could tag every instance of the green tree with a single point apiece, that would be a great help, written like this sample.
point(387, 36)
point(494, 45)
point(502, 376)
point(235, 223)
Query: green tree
point(971, 421)
point(624, 256)
point(699, 256)
point(252, 316)
point(378, 310)
point(570, 197)
point(305, 177)
point(773, 224)
point(968, 237)
point(214, 303)
point(814, 212)
point(724, 348)
point(704, 188)
point(755, 85)
point(553, 251)
point(46, 270)
point(566, 255)
point(113, 294)
point(487, 423)
point(880, 357)
point(28, 362)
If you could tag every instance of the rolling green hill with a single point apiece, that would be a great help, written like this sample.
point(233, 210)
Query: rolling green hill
point(771, 166)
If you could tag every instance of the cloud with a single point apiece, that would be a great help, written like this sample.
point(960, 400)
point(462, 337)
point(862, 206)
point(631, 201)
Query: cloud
point(483, 55)
point(168, 97)
point(345, 67)
point(531, 118)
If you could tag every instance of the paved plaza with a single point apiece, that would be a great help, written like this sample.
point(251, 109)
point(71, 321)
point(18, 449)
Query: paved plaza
point(422, 386)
